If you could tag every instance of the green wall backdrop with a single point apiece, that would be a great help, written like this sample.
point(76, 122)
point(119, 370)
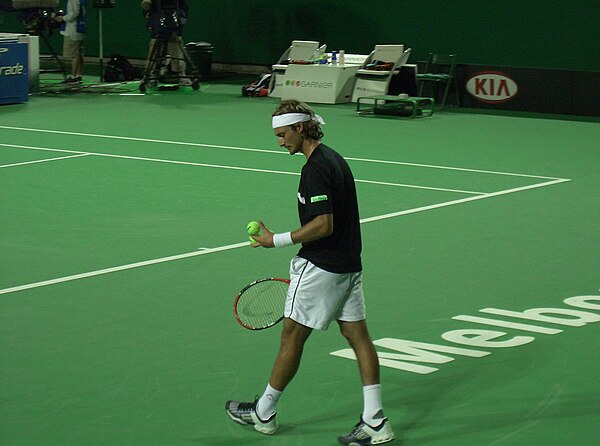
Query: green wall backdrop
point(526, 33)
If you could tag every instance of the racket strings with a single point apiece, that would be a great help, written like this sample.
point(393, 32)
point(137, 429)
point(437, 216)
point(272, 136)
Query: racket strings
point(261, 304)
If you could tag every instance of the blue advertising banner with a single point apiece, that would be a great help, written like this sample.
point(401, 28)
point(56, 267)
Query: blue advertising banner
point(14, 77)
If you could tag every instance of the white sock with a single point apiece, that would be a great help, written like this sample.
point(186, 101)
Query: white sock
point(267, 404)
point(373, 410)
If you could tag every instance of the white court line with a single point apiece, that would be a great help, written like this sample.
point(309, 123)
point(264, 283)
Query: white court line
point(248, 169)
point(412, 186)
point(123, 268)
point(239, 245)
point(204, 251)
point(44, 160)
point(274, 152)
point(462, 200)
point(159, 141)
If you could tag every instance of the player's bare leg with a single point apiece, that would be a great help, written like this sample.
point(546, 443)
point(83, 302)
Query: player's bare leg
point(358, 337)
point(293, 338)
point(373, 427)
point(262, 412)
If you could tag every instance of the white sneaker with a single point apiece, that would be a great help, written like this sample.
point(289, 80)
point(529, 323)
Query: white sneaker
point(245, 413)
point(363, 434)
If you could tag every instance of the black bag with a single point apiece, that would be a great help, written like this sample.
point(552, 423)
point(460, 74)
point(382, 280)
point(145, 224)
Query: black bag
point(258, 88)
point(118, 68)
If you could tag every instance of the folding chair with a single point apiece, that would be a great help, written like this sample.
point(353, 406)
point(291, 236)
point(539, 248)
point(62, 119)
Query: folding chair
point(440, 70)
point(299, 50)
point(374, 77)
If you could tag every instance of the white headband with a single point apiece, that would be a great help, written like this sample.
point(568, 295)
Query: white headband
point(293, 118)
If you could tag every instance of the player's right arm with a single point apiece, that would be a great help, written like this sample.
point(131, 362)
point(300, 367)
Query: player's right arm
point(319, 227)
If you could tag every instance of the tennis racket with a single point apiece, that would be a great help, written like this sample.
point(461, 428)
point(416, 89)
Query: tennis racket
point(260, 304)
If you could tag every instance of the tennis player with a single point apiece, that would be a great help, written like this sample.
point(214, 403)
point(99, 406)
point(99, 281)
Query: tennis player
point(326, 277)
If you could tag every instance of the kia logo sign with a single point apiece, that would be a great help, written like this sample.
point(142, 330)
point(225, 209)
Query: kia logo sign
point(492, 87)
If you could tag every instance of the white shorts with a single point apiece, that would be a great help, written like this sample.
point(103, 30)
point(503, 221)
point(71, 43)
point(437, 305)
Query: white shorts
point(317, 297)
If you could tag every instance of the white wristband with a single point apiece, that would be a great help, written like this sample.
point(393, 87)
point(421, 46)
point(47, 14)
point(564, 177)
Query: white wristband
point(283, 239)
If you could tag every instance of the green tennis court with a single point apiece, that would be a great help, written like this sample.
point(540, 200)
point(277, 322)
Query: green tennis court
point(123, 247)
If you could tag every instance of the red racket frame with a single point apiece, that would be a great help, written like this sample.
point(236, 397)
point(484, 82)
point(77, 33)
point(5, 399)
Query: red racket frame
point(235, 303)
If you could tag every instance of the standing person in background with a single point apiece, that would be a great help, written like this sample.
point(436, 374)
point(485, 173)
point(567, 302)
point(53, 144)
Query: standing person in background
point(73, 28)
point(166, 19)
point(325, 277)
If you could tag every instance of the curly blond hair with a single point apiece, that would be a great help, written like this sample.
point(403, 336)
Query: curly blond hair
point(310, 129)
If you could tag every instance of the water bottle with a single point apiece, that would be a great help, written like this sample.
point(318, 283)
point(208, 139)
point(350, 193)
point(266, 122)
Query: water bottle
point(322, 59)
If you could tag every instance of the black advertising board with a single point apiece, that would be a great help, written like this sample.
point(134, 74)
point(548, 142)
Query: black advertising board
point(529, 89)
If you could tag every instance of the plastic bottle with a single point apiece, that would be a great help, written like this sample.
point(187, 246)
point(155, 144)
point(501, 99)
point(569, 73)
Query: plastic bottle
point(322, 59)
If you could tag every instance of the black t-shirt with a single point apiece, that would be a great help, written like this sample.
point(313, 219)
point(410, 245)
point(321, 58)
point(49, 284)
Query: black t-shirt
point(327, 187)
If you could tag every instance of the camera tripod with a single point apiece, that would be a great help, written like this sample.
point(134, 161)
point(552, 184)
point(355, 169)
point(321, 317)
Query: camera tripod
point(40, 22)
point(62, 69)
point(158, 63)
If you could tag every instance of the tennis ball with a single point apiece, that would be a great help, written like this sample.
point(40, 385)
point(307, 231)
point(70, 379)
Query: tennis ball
point(253, 228)
point(251, 239)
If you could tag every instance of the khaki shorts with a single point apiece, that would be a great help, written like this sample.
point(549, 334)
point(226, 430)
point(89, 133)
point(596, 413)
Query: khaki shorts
point(317, 297)
point(72, 49)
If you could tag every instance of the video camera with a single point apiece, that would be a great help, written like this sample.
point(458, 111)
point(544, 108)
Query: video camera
point(165, 17)
point(38, 16)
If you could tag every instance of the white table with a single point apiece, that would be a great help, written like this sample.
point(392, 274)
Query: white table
point(321, 83)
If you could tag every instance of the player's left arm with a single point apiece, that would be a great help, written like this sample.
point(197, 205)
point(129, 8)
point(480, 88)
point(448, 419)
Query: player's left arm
point(319, 227)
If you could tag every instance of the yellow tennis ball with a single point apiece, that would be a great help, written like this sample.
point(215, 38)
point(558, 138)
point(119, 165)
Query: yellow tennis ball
point(251, 239)
point(253, 228)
